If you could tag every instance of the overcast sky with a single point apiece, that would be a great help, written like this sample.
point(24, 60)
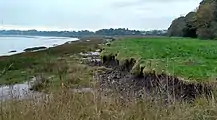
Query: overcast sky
point(92, 14)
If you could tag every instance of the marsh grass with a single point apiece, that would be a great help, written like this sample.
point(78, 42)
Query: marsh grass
point(65, 72)
point(65, 105)
point(28, 64)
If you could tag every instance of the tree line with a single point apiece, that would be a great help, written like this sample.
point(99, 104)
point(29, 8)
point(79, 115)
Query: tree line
point(201, 23)
point(82, 33)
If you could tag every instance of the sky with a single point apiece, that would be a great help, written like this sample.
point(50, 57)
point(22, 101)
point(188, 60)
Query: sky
point(92, 14)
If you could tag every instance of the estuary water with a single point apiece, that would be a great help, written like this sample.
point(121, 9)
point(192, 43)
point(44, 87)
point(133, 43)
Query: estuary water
point(19, 43)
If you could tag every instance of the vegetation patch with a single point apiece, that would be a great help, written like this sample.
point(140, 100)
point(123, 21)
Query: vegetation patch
point(58, 66)
point(71, 106)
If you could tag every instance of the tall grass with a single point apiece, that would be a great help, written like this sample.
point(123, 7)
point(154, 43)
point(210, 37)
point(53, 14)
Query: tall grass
point(65, 105)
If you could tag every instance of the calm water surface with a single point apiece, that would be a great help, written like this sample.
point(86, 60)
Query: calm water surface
point(19, 43)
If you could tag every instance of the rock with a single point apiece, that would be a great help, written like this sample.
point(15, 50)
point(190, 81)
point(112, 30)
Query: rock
point(38, 83)
point(34, 49)
point(90, 54)
point(12, 51)
point(99, 50)
point(95, 53)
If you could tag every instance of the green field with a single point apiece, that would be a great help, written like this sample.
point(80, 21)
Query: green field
point(191, 59)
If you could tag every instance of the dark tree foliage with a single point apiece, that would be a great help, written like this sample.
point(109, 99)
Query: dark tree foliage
point(201, 24)
point(177, 27)
point(119, 31)
point(206, 20)
point(190, 28)
point(184, 26)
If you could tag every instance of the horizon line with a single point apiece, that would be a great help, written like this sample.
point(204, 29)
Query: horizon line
point(43, 28)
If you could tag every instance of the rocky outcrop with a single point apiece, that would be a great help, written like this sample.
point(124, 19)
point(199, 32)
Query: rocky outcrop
point(34, 49)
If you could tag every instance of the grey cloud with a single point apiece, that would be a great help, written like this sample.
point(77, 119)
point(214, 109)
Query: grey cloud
point(93, 14)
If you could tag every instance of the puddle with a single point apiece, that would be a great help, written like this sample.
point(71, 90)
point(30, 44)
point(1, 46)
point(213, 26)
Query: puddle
point(19, 91)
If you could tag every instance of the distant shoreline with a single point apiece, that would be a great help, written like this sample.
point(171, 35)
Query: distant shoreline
point(32, 36)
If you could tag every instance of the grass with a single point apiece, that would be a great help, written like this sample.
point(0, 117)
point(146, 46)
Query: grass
point(61, 65)
point(188, 58)
point(65, 105)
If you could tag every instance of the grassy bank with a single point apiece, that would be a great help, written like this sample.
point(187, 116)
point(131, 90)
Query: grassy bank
point(191, 59)
point(59, 62)
point(62, 65)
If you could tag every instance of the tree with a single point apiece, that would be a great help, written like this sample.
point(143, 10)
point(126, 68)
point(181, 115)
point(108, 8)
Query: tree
point(206, 20)
point(184, 26)
point(191, 27)
point(201, 23)
point(177, 27)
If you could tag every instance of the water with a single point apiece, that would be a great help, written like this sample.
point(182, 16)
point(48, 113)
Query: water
point(19, 43)
point(19, 91)
point(22, 91)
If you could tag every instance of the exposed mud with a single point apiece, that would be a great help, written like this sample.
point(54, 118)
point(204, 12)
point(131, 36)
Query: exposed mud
point(166, 87)
point(150, 85)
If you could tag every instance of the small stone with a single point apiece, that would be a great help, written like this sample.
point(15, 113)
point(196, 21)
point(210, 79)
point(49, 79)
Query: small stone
point(98, 50)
